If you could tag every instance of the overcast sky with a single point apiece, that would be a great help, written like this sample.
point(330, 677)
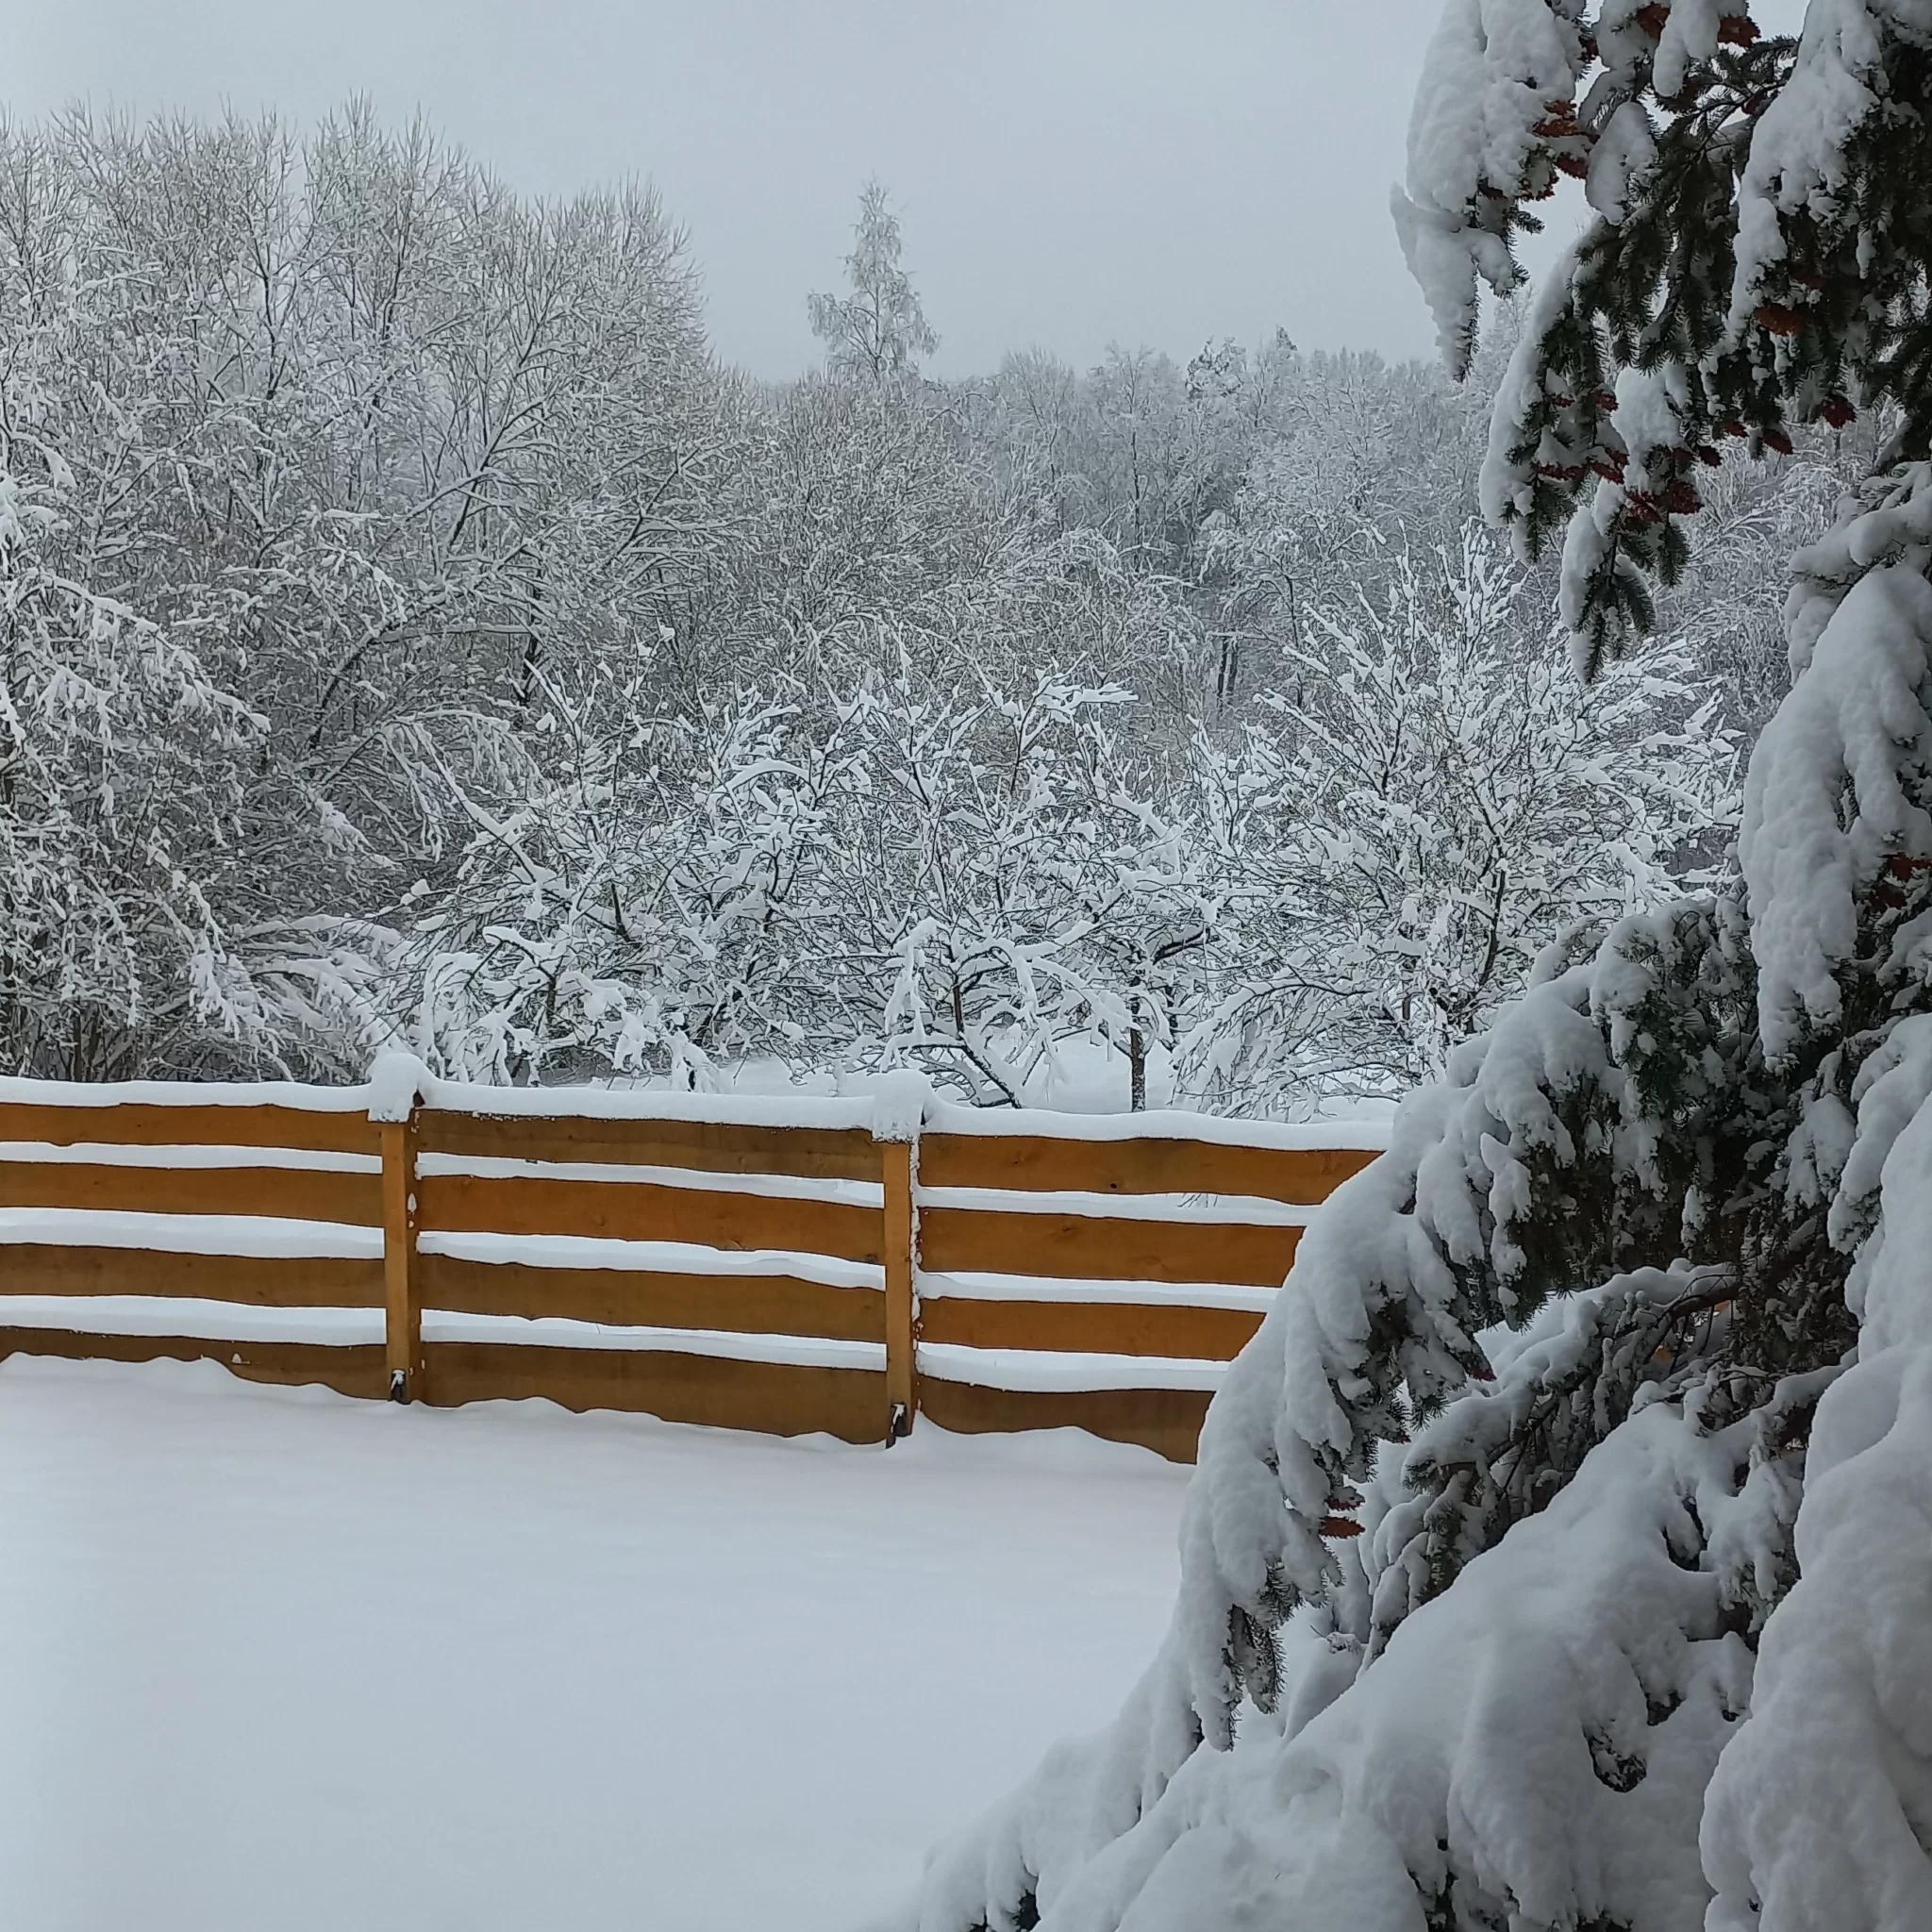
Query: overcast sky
point(1070, 172)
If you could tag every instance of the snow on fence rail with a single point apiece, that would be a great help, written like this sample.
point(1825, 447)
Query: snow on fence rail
point(780, 1265)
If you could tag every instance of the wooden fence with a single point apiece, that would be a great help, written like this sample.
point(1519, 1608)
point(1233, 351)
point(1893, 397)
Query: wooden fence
point(786, 1266)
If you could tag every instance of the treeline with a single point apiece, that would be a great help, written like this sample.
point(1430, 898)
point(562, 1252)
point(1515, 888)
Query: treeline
point(412, 633)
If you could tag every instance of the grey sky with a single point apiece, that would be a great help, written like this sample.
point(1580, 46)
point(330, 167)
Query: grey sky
point(1070, 172)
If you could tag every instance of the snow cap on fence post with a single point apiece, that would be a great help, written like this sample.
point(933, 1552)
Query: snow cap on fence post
point(397, 1081)
point(899, 1103)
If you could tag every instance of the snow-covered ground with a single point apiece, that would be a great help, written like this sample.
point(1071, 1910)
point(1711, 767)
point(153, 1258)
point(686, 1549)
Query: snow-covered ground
point(272, 1660)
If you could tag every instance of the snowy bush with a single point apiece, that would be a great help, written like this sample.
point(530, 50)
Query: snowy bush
point(1440, 799)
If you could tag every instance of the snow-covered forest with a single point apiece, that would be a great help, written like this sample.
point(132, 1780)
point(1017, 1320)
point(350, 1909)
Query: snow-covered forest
point(413, 635)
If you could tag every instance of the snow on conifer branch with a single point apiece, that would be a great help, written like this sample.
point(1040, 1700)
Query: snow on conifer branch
point(1837, 802)
point(1493, 125)
point(1788, 290)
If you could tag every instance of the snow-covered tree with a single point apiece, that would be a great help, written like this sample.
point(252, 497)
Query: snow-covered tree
point(124, 782)
point(1043, 883)
point(651, 900)
point(878, 330)
point(354, 443)
point(1441, 799)
point(1559, 1541)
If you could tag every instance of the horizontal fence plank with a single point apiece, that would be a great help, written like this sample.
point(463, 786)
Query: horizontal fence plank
point(1167, 1421)
point(777, 1399)
point(288, 1193)
point(752, 1305)
point(355, 1369)
point(1103, 1247)
point(1048, 1164)
point(641, 1211)
point(1091, 1327)
point(139, 1125)
point(294, 1281)
point(848, 1153)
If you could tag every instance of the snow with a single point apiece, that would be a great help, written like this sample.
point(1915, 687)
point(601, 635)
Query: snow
point(219, 1321)
point(654, 1104)
point(190, 1315)
point(1221, 1211)
point(281, 1663)
point(1690, 36)
point(974, 1284)
point(1021, 1369)
point(1649, 417)
point(398, 1082)
point(1063, 1370)
point(1504, 484)
point(893, 1106)
point(772, 1186)
point(1888, 520)
point(1369, 1130)
point(119, 1153)
point(399, 1076)
point(901, 1100)
point(1859, 718)
point(1890, 1092)
point(728, 1344)
point(1492, 70)
point(1819, 1814)
point(670, 1257)
point(36, 1093)
point(1797, 158)
point(1555, 1716)
point(1623, 151)
point(1541, 1732)
point(264, 1237)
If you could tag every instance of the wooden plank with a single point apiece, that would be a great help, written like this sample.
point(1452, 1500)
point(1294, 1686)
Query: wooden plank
point(623, 1297)
point(292, 1281)
point(711, 1146)
point(1091, 1327)
point(1039, 1163)
point(142, 1124)
point(641, 1211)
point(1167, 1421)
point(771, 1397)
point(353, 1371)
point(284, 1192)
point(1098, 1247)
point(402, 1286)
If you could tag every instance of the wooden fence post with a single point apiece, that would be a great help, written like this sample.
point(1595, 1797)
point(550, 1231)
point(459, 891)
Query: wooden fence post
point(402, 1281)
point(899, 1107)
point(901, 1324)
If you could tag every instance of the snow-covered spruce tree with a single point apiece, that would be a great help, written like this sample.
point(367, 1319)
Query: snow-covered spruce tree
point(1561, 1540)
